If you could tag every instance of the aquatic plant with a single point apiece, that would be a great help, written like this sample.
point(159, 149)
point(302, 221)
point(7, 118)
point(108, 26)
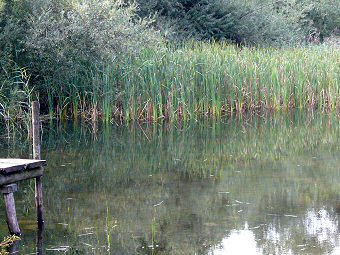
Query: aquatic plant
point(194, 81)
point(7, 242)
point(208, 80)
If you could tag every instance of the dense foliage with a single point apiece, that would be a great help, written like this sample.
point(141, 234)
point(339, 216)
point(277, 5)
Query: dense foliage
point(253, 21)
point(58, 41)
point(73, 54)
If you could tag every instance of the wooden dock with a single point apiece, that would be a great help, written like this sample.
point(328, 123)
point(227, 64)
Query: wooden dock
point(15, 170)
point(11, 172)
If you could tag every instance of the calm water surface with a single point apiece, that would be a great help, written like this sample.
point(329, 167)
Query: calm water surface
point(239, 186)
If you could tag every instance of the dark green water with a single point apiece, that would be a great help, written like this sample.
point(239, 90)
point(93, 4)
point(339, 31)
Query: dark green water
point(239, 186)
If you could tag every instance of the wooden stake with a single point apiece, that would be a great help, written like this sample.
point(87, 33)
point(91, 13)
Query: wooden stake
point(11, 214)
point(39, 201)
point(36, 129)
point(36, 155)
point(14, 247)
point(39, 249)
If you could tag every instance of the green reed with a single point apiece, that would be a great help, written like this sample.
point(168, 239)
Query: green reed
point(203, 79)
point(215, 80)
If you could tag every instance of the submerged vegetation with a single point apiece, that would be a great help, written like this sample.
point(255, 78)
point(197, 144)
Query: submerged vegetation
point(173, 60)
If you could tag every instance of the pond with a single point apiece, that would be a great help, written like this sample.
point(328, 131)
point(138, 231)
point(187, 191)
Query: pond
point(247, 185)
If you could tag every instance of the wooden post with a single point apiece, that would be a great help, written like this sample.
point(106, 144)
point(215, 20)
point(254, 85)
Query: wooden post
point(39, 249)
point(14, 248)
point(11, 214)
point(36, 129)
point(36, 155)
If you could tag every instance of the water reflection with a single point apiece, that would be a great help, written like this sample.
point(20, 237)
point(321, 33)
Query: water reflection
point(241, 186)
point(238, 242)
point(322, 226)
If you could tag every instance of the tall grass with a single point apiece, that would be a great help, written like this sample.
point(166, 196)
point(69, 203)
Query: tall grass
point(202, 79)
point(16, 96)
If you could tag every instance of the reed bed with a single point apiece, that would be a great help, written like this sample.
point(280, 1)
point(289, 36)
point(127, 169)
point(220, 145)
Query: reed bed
point(202, 79)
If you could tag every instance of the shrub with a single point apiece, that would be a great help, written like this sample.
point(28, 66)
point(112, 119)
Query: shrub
point(320, 18)
point(238, 22)
point(61, 41)
point(252, 22)
point(65, 39)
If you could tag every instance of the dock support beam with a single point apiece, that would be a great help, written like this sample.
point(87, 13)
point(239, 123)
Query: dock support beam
point(36, 155)
point(11, 214)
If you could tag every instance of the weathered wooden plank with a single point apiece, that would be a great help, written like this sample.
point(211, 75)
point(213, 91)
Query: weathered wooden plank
point(9, 188)
point(19, 176)
point(16, 165)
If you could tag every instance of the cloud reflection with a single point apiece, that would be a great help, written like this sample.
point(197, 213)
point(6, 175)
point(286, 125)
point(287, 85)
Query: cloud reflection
point(322, 226)
point(319, 225)
point(238, 242)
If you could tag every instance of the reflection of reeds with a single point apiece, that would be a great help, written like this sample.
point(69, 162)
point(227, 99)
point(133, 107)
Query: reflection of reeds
point(108, 230)
point(198, 150)
point(127, 173)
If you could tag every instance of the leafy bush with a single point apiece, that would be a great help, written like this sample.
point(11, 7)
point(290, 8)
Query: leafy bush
point(61, 41)
point(320, 18)
point(251, 22)
point(239, 22)
point(64, 38)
